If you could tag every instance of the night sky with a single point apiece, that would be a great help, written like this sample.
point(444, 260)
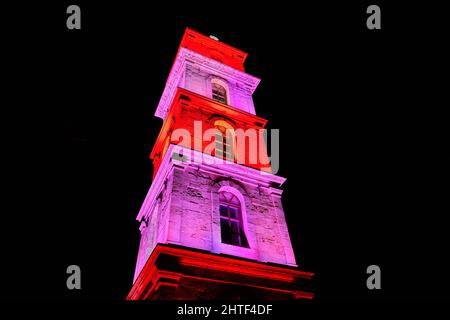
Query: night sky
point(354, 109)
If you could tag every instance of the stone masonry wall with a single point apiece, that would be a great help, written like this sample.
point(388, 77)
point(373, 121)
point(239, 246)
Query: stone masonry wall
point(195, 219)
point(198, 80)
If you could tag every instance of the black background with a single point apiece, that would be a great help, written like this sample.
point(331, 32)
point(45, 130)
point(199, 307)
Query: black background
point(358, 112)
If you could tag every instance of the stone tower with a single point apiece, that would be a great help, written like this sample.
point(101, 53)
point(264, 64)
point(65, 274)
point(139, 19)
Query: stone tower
point(212, 224)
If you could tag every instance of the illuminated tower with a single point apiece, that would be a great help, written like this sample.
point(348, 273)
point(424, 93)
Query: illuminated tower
point(212, 224)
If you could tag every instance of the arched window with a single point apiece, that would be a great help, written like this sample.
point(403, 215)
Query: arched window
point(224, 140)
point(219, 91)
point(231, 225)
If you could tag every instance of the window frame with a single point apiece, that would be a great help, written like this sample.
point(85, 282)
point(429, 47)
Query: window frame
point(222, 83)
point(219, 93)
point(226, 200)
point(225, 137)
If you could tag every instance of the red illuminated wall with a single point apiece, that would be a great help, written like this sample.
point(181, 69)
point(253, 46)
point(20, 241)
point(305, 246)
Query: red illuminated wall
point(213, 49)
point(188, 107)
point(177, 273)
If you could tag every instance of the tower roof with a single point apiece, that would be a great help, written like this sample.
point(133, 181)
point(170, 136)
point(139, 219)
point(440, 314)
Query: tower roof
point(214, 49)
point(202, 50)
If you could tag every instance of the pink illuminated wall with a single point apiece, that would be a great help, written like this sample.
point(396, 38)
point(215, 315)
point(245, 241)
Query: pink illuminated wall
point(182, 208)
point(194, 72)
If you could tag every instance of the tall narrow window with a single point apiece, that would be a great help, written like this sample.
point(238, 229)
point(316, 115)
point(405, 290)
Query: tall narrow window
point(231, 226)
point(219, 93)
point(224, 140)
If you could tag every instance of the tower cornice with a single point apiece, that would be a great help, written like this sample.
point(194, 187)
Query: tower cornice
point(209, 164)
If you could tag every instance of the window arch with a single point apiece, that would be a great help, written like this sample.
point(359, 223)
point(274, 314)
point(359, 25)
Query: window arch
point(225, 140)
point(231, 220)
point(219, 91)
